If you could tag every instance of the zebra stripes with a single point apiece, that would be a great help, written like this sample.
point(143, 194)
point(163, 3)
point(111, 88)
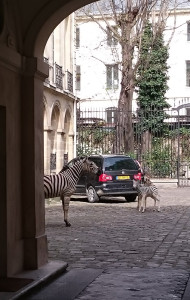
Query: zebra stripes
point(64, 183)
point(144, 191)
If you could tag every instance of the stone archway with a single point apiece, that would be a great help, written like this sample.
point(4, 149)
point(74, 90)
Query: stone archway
point(24, 31)
point(53, 136)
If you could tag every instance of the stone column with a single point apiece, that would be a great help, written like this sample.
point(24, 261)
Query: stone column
point(71, 145)
point(35, 241)
point(60, 150)
point(47, 148)
point(3, 193)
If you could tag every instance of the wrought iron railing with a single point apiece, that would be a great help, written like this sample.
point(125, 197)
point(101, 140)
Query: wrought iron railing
point(69, 81)
point(159, 142)
point(58, 76)
point(46, 60)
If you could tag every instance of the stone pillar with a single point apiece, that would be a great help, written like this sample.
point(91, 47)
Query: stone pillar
point(47, 151)
point(3, 193)
point(60, 151)
point(35, 241)
point(70, 145)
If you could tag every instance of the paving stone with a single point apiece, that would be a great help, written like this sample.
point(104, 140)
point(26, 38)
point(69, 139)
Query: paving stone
point(143, 256)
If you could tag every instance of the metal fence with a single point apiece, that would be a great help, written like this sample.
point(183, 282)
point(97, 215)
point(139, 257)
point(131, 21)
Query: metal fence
point(160, 139)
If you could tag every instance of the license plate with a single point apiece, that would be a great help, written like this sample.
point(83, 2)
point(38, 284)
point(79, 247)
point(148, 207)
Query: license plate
point(122, 177)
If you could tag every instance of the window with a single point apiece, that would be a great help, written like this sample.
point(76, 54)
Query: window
point(78, 78)
point(188, 73)
point(112, 76)
point(188, 31)
point(97, 161)
point(77, 37)
point(111, 40)
point(58, 76)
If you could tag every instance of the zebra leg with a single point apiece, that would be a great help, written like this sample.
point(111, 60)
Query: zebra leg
point(143, 203)
point(155, 199)
point(65, 204)
point(139, 202)
point(158, 200)
point(138, 199)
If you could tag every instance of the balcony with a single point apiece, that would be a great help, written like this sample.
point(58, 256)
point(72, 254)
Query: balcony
point(58, 76)
point(69, 81)
point(58, 79)
point(46, 60)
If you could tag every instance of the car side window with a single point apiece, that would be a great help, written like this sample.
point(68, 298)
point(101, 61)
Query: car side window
point(97, 161)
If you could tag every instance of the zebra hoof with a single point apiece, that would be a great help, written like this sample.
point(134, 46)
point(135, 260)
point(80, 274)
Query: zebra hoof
point(67, 224)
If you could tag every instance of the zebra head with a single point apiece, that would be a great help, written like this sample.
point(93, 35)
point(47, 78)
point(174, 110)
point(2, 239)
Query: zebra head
point(89, 166)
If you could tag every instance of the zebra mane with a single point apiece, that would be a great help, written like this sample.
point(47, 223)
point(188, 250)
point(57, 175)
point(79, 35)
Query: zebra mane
point(75, 160)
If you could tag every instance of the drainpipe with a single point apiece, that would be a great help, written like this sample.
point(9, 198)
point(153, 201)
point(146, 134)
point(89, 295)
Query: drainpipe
point(75, 128)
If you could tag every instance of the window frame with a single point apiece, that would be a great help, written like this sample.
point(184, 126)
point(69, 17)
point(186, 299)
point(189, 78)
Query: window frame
point(111, 40)
point(112, 76)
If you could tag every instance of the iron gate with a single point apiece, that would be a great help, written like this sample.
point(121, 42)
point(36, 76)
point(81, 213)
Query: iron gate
point(162, 146)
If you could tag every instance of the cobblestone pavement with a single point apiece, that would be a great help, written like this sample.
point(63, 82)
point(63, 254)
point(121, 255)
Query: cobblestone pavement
point(142, 255)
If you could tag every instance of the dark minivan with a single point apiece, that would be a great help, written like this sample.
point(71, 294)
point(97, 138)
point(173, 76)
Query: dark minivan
point(115, 178)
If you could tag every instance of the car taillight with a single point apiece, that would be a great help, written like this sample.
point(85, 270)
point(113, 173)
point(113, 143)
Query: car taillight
point(105, 177)
point(137, 176)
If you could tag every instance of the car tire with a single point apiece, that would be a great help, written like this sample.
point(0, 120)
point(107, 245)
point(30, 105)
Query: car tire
point(130, 198)
point(92, 195)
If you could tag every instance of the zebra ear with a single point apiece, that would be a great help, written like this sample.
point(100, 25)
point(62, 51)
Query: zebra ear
point(84, 158)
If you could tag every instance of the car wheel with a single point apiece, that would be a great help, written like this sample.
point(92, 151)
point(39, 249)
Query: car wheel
point(130, 198)
point(92, 195)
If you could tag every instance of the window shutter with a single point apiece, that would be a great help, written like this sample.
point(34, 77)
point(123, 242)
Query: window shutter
point(78, 78)
point(109, 76)
point(188, 31)
point(109, 37)
point(77, 37)
point(188, 73)
point(115, 76)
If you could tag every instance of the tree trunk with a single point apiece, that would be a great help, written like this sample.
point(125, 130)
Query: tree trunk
point(146, 142)
point(125, 135)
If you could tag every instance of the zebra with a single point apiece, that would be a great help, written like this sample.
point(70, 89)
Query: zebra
point(64, 183)
point(148, 189)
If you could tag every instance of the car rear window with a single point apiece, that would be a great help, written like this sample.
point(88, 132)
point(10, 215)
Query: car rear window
point(119, 163)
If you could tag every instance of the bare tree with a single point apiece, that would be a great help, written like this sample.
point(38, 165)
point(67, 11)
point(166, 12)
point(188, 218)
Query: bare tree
point(129, 18)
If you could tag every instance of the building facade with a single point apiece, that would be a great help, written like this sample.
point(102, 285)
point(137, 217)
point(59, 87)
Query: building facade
point(98, 57)
point(59, 100)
